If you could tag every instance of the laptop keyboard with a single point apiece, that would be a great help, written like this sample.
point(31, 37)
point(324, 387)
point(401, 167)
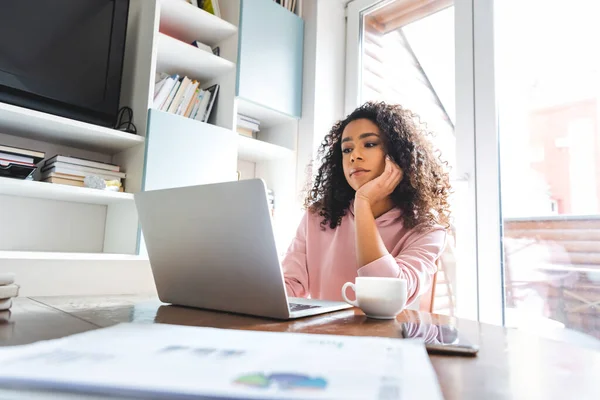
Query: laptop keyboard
point(300, 307)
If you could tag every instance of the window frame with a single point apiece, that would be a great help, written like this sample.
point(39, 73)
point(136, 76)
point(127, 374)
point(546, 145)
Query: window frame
point(480, 287)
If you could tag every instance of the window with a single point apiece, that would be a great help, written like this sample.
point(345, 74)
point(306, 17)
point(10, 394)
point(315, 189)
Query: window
point(403, 52)
point(548, 96)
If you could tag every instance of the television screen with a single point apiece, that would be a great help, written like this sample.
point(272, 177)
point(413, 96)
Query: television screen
point(63, 56)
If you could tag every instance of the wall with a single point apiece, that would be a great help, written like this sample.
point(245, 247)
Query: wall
point(324, 78)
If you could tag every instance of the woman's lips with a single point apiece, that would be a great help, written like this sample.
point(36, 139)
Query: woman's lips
point(358, 172)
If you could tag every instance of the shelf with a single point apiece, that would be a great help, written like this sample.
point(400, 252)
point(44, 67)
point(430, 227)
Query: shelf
point(177, 57)
point(267, 117)
point(256, 150)
point(53, 191)
point(186, 22)
point(59, 130)
point(49, 255)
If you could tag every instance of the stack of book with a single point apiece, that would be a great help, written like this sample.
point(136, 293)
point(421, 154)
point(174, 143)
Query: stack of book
point(183, 96)
point(8, 290)
point(18, 163)
point(72, 171)
point(247, 126)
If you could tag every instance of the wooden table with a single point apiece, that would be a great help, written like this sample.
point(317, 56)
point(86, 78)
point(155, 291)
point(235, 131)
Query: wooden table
point(511, 364)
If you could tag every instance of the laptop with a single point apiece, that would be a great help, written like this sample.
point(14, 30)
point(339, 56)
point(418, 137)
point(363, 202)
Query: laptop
point(213, 247)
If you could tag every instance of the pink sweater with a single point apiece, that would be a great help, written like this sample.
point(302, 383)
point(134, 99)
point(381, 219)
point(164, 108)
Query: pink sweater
point(319, 262)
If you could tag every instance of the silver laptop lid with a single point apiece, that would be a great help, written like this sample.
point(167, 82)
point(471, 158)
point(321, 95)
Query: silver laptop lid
point(212, 246)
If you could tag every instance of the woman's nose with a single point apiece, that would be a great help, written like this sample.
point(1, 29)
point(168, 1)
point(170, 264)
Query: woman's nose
point(356, 155)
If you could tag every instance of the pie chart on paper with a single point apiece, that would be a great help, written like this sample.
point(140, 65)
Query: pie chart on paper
point(282, 381)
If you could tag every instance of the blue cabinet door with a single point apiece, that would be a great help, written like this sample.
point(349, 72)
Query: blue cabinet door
point(271, 41)
point(184, 152)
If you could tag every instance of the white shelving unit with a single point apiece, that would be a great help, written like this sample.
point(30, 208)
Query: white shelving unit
point(268, 118)
point(79, 239)
point(84, 238)
point(77, 273)
point(255, 150)
point(177, 57)
point(51, 128)
point(178, 19)
point(50, 191)
point(54, 255)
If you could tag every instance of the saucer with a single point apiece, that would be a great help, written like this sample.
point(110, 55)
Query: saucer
point(381, 316)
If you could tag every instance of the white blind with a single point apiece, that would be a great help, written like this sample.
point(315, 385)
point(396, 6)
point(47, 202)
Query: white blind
point(392, 73)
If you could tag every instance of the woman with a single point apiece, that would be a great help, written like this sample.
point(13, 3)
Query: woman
point(378, 207)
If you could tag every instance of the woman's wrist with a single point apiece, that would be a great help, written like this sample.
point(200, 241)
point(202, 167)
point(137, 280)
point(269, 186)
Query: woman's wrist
point(361, 202)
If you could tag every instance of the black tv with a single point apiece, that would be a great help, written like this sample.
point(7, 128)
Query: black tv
point(64, 57)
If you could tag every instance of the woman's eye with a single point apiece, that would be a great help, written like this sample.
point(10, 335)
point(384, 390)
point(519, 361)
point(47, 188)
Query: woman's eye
point(346, 151)
point(370, 144)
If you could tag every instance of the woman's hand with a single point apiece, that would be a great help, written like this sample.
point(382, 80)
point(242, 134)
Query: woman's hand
point(381, 187)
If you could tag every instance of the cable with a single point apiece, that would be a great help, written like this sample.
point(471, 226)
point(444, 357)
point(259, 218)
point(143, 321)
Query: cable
point(127, 125)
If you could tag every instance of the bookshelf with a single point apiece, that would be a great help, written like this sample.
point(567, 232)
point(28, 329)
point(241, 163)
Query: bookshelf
point(255, 150)
point(53, 255)
point(49, 191)
point(177, 57)
point(85, 237)
point(71, 273)
point(267, 116)
point(187, 23)
point(51, 128)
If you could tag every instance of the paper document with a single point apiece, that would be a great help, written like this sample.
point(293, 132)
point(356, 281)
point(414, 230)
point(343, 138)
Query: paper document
point(159, 360)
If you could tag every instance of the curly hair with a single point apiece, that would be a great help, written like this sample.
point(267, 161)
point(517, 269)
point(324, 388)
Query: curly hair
point(422, 194)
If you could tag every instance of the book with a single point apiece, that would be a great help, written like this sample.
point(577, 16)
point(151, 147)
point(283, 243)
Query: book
point(164, 91)
point(83, 168)
point(210, 6)
point(201, 95)
point(161, 78)
point(178, 97)
point(214, 91)
point(8, 291)
point(17, 158)
point(61, 169)
point(82, 162)
point(5, 304)
point(201, 46)
point(63, 181)
point(7, 162)
point(246, 132)
point(193, 103)
point(202, 107)
point(36, 155)
point(165, 106)
point(187, 97)
point(48, 175)
point(248, 123)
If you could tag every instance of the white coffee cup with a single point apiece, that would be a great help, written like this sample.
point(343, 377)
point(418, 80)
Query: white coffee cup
point(381, 298)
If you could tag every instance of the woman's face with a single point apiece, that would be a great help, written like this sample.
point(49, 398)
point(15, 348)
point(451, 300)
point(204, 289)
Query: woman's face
point(363, 152)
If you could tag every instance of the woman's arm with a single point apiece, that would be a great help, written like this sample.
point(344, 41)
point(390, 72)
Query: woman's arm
point(295, 269)
point(415, 263)
point(369, 245)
